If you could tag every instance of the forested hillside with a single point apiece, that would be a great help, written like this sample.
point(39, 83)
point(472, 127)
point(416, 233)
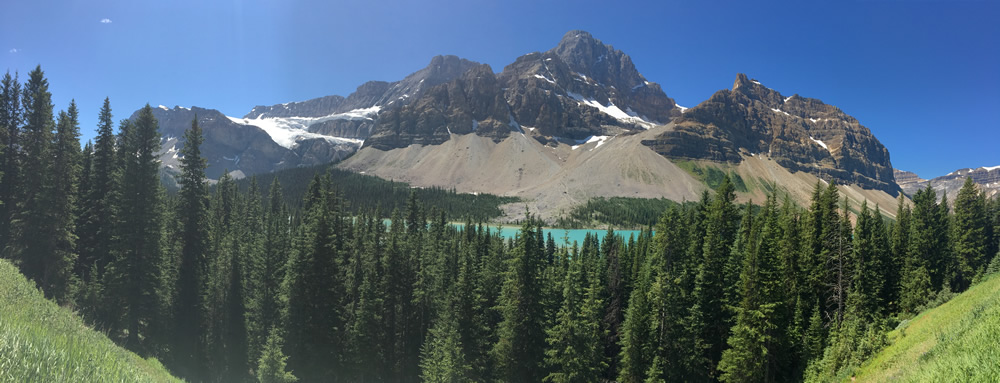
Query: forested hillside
point(229, 285)
point(368, 194)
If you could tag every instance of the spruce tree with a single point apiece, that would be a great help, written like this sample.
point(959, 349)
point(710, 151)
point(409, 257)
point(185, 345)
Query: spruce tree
point(442, 359)
point(712, 310)
point(899, 243)
point(138, 279)
point(521, 340)
point(271, 365)
point(969, 236)
point(11, 116)
point(756, 340)
point(66, 167)
point(34, 226)
point(98, 218)
point(194, 256)
point(315, 290)
point(926, 247)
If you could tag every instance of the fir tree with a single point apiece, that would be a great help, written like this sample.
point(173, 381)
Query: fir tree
point(521, 340)
point(66, 167)
point(441, 357)
point(194, 256)
point(713, 314)
point(314, 288)
point(32, 230)
point(10, 164)
point(271, 365)
point(138, 280)
point(756, 339)
point(969, 236)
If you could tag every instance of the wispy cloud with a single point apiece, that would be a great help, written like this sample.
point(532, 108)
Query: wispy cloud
point(105, 21)
point(14, 50)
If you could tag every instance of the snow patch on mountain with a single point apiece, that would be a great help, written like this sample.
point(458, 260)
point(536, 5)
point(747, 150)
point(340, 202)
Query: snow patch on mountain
point(626, 115)
point(288, 131)
point(821, 143)
point(598, 139)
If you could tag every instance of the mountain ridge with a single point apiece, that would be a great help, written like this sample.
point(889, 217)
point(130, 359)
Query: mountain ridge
point(582, 93)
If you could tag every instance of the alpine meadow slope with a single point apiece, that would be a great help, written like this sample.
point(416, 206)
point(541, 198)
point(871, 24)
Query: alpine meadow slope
point(42, 342)
point(952, 342)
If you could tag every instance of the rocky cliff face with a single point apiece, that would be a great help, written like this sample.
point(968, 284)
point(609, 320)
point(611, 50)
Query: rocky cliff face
point(988, 179)
point(801, 134)
point(579, 89)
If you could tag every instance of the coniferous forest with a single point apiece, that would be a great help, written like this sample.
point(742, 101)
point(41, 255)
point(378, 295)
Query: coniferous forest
point(236, 284)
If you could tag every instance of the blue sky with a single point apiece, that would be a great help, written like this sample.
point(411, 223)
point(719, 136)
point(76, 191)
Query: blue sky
point(922, 75)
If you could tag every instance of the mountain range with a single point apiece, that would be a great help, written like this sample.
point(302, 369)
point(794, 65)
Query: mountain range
point(988, 179)
point(556, 128)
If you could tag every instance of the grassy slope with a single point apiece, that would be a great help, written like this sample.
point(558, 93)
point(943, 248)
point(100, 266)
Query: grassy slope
point(957, 341)
point(42, 342)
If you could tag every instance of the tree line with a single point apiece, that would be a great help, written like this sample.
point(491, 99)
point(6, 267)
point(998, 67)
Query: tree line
point(232, 284)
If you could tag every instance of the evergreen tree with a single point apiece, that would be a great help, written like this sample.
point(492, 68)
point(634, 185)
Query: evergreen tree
point(270, 271)
point(521, 340)
point(315, 290)
point(194, 256)
point(271, 365)
point(969, 234)
point(673, 320)
point(574, 343)
point(926, 246)
point(756, 340)
point(66, 167)
point(713, 313)
point(11, 116)
point(98, 217)
point(32, 230)
point(442, 358)
point(35, 228)
point(899, 243)
point(614, 298)
point(138, 275)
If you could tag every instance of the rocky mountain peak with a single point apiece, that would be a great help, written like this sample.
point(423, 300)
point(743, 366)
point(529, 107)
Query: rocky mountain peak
point(603, 63)
point(754, 90)
point(801, 134)
point(443, 69)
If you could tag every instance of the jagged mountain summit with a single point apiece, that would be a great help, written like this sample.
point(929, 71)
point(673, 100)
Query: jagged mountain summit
point(580, 89)
point(987, 177)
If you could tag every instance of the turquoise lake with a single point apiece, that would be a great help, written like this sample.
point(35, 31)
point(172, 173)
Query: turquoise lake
point(561, 236)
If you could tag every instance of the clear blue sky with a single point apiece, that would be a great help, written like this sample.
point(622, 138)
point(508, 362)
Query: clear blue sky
point(924, 76)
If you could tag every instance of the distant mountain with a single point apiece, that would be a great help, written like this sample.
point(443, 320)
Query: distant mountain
point(556, 128)
point(245, 147)
point(988, 178)
point(295, 134)
point(579, 121)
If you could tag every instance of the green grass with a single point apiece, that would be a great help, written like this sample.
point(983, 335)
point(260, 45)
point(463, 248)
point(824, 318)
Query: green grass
point(42, 342)
point(711, 175)
point(958, 341)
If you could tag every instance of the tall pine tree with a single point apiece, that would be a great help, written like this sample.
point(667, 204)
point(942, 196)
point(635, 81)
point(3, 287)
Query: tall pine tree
point(139, 261)
point(194, 257)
